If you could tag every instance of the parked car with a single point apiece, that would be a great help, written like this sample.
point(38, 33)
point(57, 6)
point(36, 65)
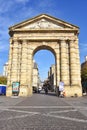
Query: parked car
point(39, 89)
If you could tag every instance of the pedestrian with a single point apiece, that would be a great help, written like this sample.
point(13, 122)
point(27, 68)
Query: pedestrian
point(61, 88)
point(46, 90)
point(57, 91)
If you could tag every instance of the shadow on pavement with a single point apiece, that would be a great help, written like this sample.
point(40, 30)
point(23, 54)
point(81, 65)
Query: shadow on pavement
point(49, 93)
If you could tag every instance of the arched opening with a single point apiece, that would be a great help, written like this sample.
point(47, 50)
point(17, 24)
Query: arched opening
point(40, 33)
point(44, 69)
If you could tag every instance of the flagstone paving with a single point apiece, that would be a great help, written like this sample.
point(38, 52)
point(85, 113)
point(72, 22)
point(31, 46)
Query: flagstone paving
point(43, 112)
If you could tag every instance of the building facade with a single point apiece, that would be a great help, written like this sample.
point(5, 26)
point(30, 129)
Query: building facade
point(52, 76)
point(35, 77)
point(44, 32)
point(84, 64)
point(5, 69)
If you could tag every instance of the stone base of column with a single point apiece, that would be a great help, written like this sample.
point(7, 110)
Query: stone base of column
point(25, 91)
point(73, 91)
point(9, 91)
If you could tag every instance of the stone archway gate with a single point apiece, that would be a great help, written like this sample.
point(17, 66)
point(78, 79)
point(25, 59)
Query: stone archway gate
point(47, 32)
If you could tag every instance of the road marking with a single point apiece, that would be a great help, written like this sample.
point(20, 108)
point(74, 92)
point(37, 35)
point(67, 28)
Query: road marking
point(16, 117)
point(66, 118)
point(21, 111)
point(21, 116)
point(41, 107)
point(41, 114)
point(64, 111)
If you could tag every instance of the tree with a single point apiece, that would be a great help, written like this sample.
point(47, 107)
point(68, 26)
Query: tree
point(3, 80)
point(84, 74)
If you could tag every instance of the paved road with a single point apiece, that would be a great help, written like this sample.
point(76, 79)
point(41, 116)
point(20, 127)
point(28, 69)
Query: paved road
point(43, 112)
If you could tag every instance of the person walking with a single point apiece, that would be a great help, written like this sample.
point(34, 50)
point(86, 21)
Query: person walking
point(61, 88)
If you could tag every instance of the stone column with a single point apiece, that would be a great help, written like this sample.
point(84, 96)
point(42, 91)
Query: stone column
point(19, 60)
point(9, 84)
point(68, 61)
point(23, 77)
point(30, 68)
point(63, 62)
point(24, 84)
point(78, 62)
point(57, 67)
point(73, 64)
point(10, 63)
point(14, 66)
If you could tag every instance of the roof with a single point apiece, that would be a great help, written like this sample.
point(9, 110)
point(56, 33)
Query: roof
point(54, 21)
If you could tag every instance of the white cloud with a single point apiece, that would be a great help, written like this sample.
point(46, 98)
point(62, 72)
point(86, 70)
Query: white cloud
point(22, 1)
point(26, 12)
point(4, 25)
point(5, 5)
point(4, 47)
point(83, 46)
point(46, 3)
point(9, 5)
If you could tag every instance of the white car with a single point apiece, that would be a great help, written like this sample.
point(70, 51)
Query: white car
point(39, 89)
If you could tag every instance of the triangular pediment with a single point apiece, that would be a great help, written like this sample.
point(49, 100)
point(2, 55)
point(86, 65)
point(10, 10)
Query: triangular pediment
point(43, 22)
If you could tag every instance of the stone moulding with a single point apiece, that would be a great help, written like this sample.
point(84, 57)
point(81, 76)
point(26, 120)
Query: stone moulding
point(44, 32)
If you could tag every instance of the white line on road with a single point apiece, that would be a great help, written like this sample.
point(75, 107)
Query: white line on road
point(21, 111)
point(66, 118)
point(16, 117)
point(47, 115)
point(64, 111)
point(74, 107)
point(38, 107)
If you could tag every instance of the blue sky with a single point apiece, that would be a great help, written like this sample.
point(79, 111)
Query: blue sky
point(15, 11)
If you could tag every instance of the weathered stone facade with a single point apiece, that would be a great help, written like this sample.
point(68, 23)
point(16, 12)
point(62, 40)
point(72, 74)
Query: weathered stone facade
point(35, 76)
point(52, 77)
point(44, 32)
point(5, 69)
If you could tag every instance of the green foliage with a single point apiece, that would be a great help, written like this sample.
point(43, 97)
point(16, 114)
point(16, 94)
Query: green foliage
point(84, 74)
point(3, 80)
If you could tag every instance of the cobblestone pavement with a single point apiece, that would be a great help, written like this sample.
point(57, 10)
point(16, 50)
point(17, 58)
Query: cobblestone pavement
point(43, 112)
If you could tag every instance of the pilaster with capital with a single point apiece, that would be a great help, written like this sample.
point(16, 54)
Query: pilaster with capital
point(73, 64)
point(57, 65)
point(14, 64)
point(64, 74)
point(19, 59)
point(78, 62)
point(10, 63)
point(30, 65)
point(23, 76)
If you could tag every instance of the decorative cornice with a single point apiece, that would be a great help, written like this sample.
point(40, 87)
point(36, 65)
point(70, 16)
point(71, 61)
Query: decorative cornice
point(43, 16)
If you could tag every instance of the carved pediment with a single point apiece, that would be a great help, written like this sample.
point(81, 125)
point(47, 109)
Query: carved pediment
point(43, 22)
